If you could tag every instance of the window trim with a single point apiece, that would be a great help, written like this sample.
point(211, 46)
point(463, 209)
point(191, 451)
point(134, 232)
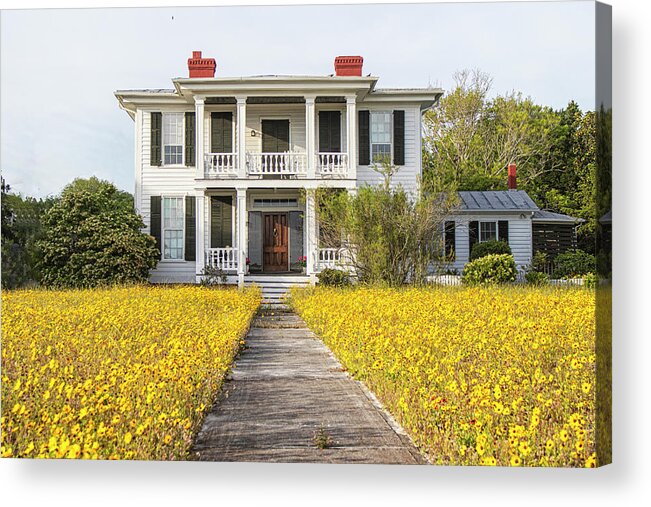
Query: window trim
point(162, 135)
point(370, 134)
point(163, 228)
point(497, 230)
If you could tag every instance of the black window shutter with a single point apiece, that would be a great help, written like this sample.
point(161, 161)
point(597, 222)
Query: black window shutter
point(473, 234)
point(329, 131)
point(190, 229)
point(155, 222)
point(450, 240)
point(364, 139)
point(221, 222)
point(190, 139)
point(156, 139)
point(503, 230)
point(221, 132)
point(399, 137)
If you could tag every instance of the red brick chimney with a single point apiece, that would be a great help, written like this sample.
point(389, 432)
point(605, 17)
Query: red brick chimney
point(348, 65)
point(512, 182)
point(201, 67)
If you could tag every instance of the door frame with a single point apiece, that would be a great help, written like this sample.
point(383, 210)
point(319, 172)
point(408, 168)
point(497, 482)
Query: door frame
point(289, 232)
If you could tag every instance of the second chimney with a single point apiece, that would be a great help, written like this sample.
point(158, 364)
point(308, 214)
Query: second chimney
point(201, 67)
point(348, 65)
point(512, 181)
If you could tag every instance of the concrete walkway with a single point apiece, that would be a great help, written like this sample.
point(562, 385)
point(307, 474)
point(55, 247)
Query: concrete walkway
point(285, 386)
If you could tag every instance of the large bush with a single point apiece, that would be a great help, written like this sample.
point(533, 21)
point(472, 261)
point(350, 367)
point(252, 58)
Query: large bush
point(491, 269)
point(492, 246)
point(91, 238)
point(394, 236)
point(574, 263)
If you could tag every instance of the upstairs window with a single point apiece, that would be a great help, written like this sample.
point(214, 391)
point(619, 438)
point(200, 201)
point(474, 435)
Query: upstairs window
point(173, 138)
point(173, 220)
point(380, 136)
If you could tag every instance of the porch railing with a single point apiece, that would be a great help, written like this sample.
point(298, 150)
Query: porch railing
point(276, 164)
point(219, 165)
point(222, 258)
point(332, 164)
point(333, 258)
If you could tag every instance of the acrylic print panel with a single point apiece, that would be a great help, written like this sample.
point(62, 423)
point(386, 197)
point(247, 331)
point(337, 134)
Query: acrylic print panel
point(435, 289)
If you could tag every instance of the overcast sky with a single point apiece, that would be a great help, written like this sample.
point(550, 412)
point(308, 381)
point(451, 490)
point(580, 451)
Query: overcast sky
point(59, 68)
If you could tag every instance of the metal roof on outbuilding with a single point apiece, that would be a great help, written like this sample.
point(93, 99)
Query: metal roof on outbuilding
point(550, 216)
point(497, 200)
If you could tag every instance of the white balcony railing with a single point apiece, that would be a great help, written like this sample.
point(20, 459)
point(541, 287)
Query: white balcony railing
point(334, 258)
point(332, 164)
point(220, 165)
point(222, 258)
point(276, 164)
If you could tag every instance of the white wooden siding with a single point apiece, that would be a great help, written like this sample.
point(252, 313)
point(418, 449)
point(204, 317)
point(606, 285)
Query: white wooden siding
point(168, 181)
point(408, 175)
point(519, 238)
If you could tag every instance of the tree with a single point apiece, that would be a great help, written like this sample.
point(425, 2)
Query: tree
point(21, 229)
point(470, 140)
point(92, 238)
point(394, 236)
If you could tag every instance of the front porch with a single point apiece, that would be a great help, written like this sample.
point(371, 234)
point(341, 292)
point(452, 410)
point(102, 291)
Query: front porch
point(247, 233)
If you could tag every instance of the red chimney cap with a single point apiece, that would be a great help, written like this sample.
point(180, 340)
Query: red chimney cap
point(348, 65)
point(512, 180)
point(201, 67)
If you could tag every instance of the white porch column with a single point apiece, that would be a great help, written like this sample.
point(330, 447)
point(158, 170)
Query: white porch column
point(200, 245)
point(199, 132)
point(311, 231)
point(351, 135)
point(241, 137)
point(242, 236)
point(310, 135)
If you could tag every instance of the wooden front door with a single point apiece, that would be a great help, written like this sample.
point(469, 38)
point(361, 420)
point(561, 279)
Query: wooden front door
point(276, 242)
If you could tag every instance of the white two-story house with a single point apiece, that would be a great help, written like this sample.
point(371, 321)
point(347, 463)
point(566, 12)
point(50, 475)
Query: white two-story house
point(222, 164)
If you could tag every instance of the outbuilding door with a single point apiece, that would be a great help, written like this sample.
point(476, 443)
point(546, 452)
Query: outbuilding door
point(276, 243)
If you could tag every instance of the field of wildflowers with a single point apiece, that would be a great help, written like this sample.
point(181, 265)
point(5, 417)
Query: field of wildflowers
point(121, 373)
point(477, 376)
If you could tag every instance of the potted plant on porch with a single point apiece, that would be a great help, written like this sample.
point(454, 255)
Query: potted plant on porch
point(302, 262)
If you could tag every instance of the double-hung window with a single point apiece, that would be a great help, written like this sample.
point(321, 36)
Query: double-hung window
point(380, 136)
point(173, 138)
point(487, 231)
point(173, 221)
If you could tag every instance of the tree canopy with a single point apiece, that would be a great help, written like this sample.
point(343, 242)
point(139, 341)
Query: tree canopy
point(470, 140)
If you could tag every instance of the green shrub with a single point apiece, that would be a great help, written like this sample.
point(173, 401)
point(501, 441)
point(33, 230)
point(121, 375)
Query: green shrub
point(493, 268)
point(590, 280)
point(574, 263)
point(334, 278)
point(539, 261)
point(536, 278)
point(492, 246)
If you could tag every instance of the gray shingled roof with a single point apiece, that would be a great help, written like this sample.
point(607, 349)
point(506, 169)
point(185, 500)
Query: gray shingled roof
point(497, 200)
point(550, 216)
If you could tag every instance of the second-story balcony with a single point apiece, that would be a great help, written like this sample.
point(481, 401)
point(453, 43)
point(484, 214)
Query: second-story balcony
point(308, 137)
point(276, 165)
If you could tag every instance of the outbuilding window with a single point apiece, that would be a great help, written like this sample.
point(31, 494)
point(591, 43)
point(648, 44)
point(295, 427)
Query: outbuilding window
point(487, 231)
point(173, 138)
point(173, 220)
